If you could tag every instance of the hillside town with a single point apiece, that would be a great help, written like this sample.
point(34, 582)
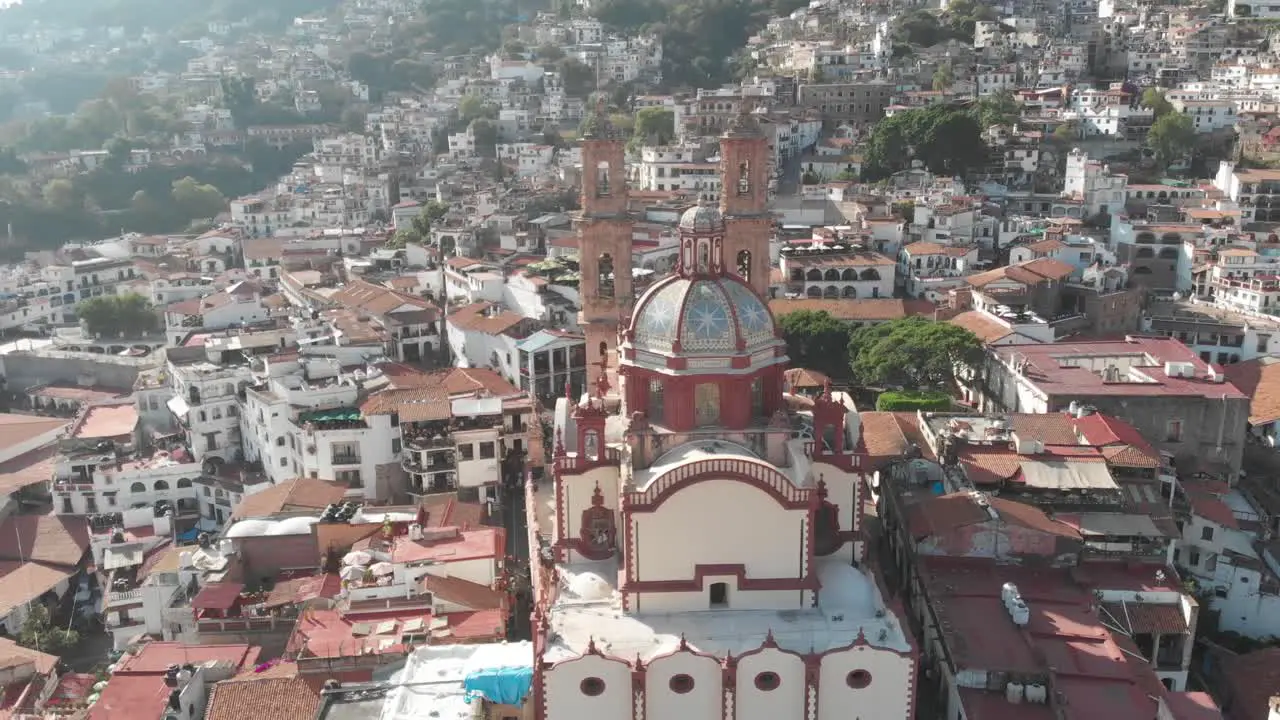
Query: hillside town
point(346, 378)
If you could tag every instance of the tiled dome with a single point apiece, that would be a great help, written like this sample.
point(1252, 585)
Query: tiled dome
point(706, 315)
point(702, 219)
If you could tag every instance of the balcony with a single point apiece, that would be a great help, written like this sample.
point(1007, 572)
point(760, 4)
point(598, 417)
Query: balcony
point(346, 459)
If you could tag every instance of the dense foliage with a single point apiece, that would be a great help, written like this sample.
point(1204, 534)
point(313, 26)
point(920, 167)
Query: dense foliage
point(129, 315)
point(419, 231)
point(923, 28)
point(947, 140)
point(913, 400)
point(913, 352)
point(1172, 137)
point(699, 37)
point(817, 341)
point(41, 634)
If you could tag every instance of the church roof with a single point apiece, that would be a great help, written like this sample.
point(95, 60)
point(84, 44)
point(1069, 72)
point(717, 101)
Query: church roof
point(713, 315)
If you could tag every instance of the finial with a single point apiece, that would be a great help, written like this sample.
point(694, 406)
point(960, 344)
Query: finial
point(684, 642)
point(597, 497)
point(591, 647)
point(822, 488)
point(862, 637)
point(639, 662)
point(559, 451)
point(769, 641)
point(602, 382)
point(826, 389)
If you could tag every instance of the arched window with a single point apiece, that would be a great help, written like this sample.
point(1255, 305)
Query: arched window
point(184, 483)
point(849, 275)
point(1142, 270)
point(870, 274)
point(1144, 237)
point(814, 291)
point(1145, 253)
point(744, 264)
point(161, 485)
point(604, 281)
point(591, 445)
point(704, 256)
point(137, 487)
point(850, 292)
point(832, 292)
point(602, 179)
point(657, 407)
point(744, 178)
point(1169, 253)
point(813, 275)
point(604, 354)
point(831, 276)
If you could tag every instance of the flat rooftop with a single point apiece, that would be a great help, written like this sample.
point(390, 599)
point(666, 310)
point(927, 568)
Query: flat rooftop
point(431, 683)
point(589, 608)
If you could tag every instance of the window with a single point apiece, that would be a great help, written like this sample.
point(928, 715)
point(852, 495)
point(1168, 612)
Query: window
point(680, 684)
point(1206, 533)
point(1173, 431)
point(719, 595)
point(280, 441)
point(467, 452)
point(592, 687)
point(137, 487)
point(395, 446)
point(656, 406)
point(1211, 562)
point(858, 679)
point(284, 462)
point(757, 398)
point(768, 681)
point(486, 450)
point(706, 405)
point(1193, 557)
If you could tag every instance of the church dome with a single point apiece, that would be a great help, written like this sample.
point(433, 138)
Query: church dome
point(702, 219)
point(713, 315)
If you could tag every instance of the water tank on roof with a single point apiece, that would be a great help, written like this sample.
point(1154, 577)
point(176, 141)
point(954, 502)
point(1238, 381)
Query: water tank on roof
point(1013, 693)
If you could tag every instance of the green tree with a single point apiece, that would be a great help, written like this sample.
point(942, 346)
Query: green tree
point(999, 108)
point(947, 140)
point(655, 126)
point(144, 204)
point(578, 78)
point(817, 341)
point(1171, 138)
point(197, 200)
point(1066, 132)
point(485, 133)
point(39, 633)
point(913, 352)
point(944, 77)
point(118, 153)
point(128, 315)
point(353, 119)
point(549, 53)
point(472, 107)
point(1153, 98)
point(61, 194)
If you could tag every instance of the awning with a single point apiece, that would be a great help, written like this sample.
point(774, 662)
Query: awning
point(1113, 525)
point(1142, 618)
point(178, 406)
point(114, 558)
point(217, 596)
point(1067, 475)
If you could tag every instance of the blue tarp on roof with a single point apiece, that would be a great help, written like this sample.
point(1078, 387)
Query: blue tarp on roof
point(506, 686)
point(188, 535)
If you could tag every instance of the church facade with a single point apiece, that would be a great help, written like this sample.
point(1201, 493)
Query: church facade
point(698, 547)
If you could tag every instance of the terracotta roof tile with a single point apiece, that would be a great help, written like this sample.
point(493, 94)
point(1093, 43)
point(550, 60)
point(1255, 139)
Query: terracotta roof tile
point(485, 317)
point(943, 513)
point(13, 655)
point(21, 583)
point(59, 540)
point(1252, 679)
point(265, 698)
point(983, 326)
point(1138, 618)
point(1260, 380)
point(296, 494)
point(19, 429)
point(855, 309)
point(457, 591)
point(30, 468)
point(1050, 428)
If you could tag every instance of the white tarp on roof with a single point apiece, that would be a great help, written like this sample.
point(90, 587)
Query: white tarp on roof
point(178, 406)
point(1118, 525)
point(1067, 475)
point(116, 557)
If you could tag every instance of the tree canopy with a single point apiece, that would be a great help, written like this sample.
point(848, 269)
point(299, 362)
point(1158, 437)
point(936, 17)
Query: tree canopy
point(127, 315)
point(419, 231)
point(39, 633)
point(1171, 138)
point(947, 140)
point(1153, 98)
point(914, 353)
point(817, 341)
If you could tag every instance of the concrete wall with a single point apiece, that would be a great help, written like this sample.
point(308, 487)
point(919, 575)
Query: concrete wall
point(22, 370)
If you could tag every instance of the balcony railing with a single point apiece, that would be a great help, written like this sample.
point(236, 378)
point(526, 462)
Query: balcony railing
point(346, 459)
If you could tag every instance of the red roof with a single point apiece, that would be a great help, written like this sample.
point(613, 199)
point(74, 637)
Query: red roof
point(217, 596)
point(137, 687)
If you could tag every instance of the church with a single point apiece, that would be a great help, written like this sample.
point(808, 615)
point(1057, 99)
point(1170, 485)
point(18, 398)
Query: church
point(698, 543)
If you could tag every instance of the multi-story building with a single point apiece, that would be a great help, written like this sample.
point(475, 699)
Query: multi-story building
point(858, 102)
point(836, 270)
point(1160, 386)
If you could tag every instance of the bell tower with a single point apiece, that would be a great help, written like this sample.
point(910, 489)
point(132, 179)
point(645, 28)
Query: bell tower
point(744, 199)
point(604, 246)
